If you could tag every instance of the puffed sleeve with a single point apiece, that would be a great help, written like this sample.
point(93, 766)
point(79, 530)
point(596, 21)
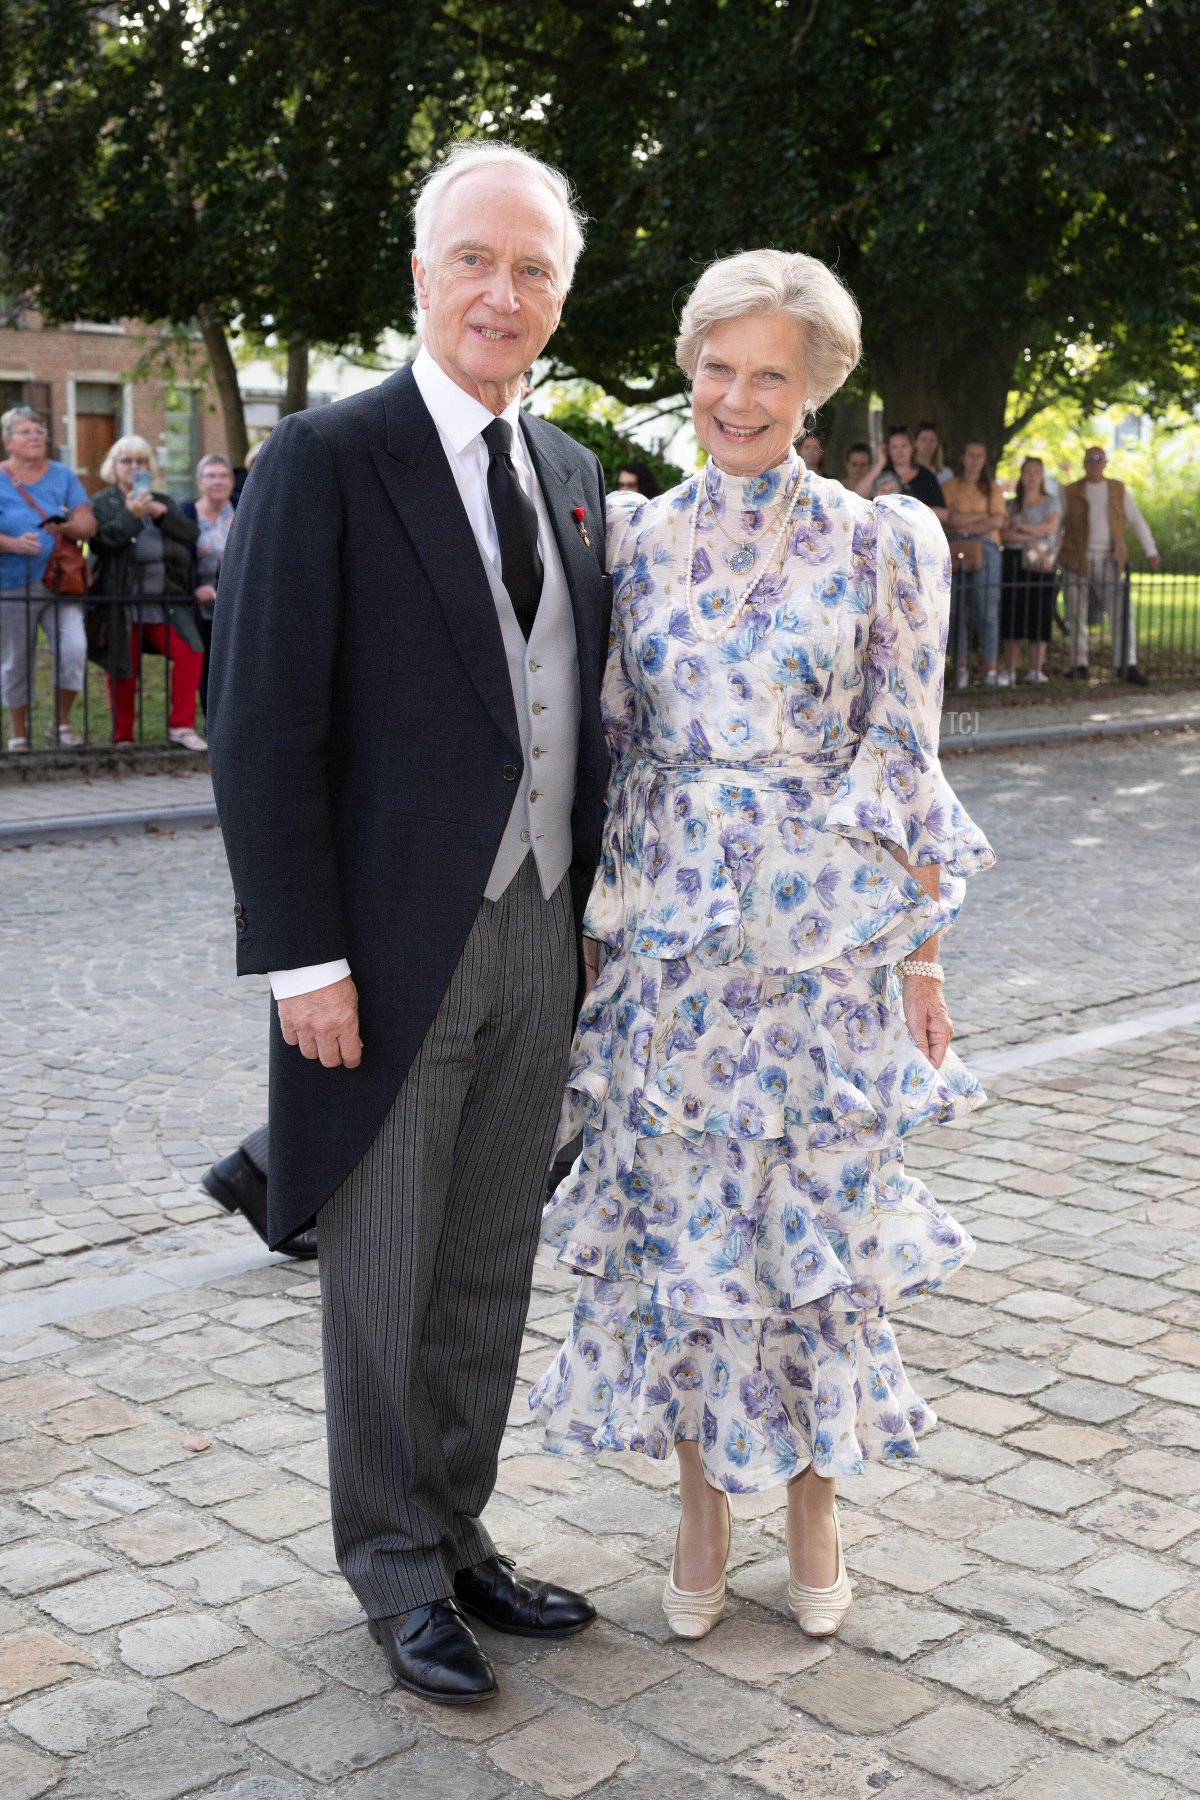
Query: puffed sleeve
point(894, 790)
point(617, 699)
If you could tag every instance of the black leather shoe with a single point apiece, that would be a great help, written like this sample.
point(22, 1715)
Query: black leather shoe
point(1078, 673)
point(432, 1651)
point(1135, 675)
point(494, 1592)
point(239, 1183)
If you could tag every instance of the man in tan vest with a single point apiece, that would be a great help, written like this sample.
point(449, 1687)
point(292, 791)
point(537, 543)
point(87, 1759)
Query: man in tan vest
point(1094, 558)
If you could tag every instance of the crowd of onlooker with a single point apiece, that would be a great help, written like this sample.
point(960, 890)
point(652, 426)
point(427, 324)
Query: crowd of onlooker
point(148, 585)
point(1008, 554)
point(155, 564)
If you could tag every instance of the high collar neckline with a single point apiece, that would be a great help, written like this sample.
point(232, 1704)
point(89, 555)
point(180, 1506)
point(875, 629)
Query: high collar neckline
point(754, 493)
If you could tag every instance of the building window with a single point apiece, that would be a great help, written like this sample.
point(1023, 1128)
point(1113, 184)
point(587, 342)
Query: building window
point(12, 317)
point(15, 392)
point(181, 436)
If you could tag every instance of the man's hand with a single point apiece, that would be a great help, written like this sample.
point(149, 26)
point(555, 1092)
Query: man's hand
point(1155, 563)
point(324, 1024)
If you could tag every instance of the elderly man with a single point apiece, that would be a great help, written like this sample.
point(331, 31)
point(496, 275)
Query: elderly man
point(1094, 559)
point(409, 767)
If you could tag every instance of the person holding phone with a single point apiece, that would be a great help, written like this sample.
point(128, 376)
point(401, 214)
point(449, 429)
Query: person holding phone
point(143, 549)
point(40, 501)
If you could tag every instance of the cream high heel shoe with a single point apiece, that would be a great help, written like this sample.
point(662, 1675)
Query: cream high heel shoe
point(693, 1615)
point(820, 1611)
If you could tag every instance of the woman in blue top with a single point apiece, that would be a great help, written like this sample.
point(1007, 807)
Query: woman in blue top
point(29, 481)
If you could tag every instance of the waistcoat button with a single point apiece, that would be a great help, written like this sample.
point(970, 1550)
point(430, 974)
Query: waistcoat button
point(509, 772)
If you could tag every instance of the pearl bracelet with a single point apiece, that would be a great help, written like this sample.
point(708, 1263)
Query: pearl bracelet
point(934, 970)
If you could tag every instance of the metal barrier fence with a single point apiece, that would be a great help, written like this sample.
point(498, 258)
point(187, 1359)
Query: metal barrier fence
point(47, 644)
point(1070, 627)
point(1147, 621)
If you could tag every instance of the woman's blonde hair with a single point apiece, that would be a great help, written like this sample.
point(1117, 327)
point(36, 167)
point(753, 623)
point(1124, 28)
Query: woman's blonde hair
point(757, 283)
point(124, 446)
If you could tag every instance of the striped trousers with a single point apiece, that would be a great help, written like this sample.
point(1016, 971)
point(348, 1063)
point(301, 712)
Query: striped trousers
point(426, 1254)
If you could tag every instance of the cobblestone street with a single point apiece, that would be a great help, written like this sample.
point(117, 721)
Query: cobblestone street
point(1027, 1616)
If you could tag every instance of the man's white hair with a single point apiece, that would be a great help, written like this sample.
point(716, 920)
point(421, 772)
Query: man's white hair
point(484, 153)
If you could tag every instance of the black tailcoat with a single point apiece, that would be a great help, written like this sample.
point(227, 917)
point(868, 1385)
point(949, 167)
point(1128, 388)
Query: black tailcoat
point(363, 739)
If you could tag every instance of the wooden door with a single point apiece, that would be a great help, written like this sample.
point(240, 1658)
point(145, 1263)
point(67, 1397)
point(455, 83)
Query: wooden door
point(95, 435)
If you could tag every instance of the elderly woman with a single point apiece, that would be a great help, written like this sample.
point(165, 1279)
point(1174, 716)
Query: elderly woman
point(781, 855)
point(40, 501)
point(143, 550)
point(213, 510)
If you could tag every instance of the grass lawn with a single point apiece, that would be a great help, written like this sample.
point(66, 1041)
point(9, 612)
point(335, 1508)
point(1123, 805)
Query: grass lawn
point(95, 721)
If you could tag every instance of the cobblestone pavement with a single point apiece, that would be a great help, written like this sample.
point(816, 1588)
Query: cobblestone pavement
point(1027, 1620)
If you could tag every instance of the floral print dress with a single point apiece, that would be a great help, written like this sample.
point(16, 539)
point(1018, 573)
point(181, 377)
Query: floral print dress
point(739, 1216)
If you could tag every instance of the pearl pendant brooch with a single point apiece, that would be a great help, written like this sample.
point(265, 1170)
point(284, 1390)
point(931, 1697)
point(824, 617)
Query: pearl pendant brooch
point(743, 559)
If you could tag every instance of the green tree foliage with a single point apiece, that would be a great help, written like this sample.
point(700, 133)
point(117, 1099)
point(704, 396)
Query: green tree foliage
point(611, 446)
point(994, 181)
point(999, 183)
point(241, 162)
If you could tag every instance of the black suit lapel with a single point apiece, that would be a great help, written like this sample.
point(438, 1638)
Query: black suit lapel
point(421, 487)
point(563, 490)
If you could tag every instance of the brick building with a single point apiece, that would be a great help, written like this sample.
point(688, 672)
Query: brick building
point(92, 382)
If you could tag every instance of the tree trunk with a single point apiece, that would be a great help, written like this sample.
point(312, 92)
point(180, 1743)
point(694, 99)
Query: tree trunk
point(295, 397)
point(961, 383)
point(224, 372)
point(841, 424)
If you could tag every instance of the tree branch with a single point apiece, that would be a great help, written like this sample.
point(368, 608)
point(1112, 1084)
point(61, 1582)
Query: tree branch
point(480, 39)
point(804, 29)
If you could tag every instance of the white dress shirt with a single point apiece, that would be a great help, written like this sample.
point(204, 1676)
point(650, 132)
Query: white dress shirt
point(1100, 525)
point(460, 420)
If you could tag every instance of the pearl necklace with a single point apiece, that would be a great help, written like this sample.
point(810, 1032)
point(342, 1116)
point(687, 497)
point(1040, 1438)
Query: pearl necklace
point(705, 629)
point(745, 554)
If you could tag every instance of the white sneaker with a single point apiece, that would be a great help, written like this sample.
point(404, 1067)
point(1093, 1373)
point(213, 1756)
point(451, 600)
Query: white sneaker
point(1003, 678)
point(964, 676)
point(991, 679)
point(1035, 677)
point(64, 737)
point(18, 743)
point(186, 738)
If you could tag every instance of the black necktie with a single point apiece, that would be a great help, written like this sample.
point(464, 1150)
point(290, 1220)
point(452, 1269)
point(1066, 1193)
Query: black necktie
point(516, 526)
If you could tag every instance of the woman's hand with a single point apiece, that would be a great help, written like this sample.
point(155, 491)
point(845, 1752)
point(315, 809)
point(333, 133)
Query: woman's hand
point(156, 509)
point(25, 545)
point(927, 1017)
point(139, 505)
point(591, 963)
point(206, 594)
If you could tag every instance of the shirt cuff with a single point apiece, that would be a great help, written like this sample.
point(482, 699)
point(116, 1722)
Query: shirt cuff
point(286, 984)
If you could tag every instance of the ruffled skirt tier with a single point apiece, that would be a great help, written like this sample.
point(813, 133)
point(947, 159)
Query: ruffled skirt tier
point(739, 1216)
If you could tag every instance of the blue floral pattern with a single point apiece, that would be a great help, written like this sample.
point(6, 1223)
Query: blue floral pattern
point(740, 1217)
